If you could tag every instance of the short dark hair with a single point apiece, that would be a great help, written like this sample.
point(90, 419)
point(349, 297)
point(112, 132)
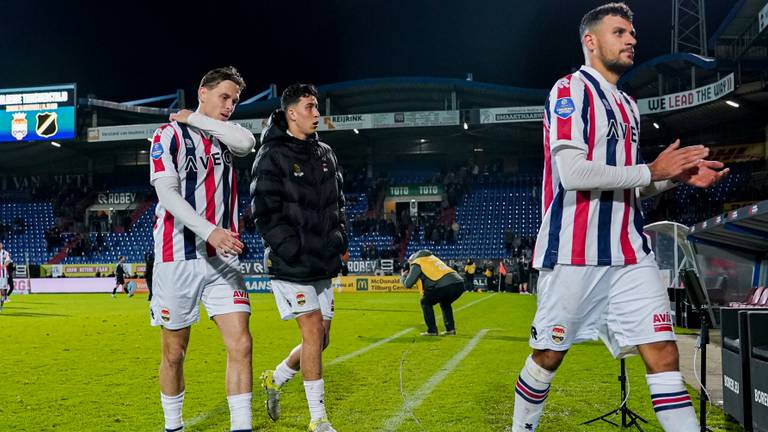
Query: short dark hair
point(294, 92)
point(228, 73)
point(592, 17)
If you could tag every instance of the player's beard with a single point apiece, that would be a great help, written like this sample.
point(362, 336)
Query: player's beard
point(617, 67)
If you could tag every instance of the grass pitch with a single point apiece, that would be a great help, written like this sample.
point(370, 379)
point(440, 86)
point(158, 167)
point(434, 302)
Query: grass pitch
point(89, 363)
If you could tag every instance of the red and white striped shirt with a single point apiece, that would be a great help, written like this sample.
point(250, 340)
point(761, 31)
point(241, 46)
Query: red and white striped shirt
point(207, 182)
point(590, 227)
point(5, 259)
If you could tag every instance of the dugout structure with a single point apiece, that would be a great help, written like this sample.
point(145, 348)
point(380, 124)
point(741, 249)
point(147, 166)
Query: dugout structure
point(731, 250)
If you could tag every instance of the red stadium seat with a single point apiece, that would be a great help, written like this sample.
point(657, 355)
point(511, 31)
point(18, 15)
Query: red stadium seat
point(758, 297)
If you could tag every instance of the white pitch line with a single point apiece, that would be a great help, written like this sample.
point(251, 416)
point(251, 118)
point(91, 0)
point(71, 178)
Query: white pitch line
point(474, 302)
point(414, 401)
point(365, 349)
point(204, 416)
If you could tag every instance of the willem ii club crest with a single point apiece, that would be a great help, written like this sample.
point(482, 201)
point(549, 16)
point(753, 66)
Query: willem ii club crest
point(19, 126)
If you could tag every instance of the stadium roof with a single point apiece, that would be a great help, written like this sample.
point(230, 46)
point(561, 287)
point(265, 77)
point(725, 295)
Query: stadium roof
point(409, 94)
point(738, 19)
point(643, 79)
point(370, 96)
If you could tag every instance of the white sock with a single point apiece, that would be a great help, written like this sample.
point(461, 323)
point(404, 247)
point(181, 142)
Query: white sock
point(531, 390)
point(240, 412)
point(172, 411)
point(315, 391)
point(671, 402)
point(283, 373)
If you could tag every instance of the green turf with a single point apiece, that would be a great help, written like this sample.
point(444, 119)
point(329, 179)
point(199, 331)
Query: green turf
point(89, 363)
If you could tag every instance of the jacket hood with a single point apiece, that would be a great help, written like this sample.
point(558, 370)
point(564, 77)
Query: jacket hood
point(277, 130)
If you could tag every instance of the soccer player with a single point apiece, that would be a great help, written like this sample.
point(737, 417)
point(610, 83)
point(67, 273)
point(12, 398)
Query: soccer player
point(297, 200)
point(11, 269)
point(439, 284)
point(196, 244)
point(598, 275)
point(5, 260)
point(119, 276)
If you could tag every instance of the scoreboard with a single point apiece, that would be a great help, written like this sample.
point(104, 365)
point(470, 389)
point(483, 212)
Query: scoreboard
point(38, 113)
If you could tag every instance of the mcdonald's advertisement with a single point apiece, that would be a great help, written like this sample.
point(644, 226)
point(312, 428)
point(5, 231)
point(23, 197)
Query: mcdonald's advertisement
point(369, 284)
point(38, 113)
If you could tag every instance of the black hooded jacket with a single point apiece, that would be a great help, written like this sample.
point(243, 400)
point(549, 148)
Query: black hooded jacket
point(298, 204)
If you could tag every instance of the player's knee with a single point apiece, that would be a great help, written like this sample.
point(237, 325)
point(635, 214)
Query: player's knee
point(549, 359)
point(174, 356)
point(313, 334)
point(661, 357)
point(241, 347)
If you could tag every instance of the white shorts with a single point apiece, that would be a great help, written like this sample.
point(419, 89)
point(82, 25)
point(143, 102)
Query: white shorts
point(625, 306)
point(178, 288)
point(3, 283)
point(295, 299)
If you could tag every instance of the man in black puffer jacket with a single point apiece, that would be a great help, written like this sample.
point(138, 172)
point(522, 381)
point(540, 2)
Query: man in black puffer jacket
point(297, 200)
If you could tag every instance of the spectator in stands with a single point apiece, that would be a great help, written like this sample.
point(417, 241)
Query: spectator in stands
point(53, 238)
point(454, 232)
point(469, 275)
point(509, 238)
point(100, 241)
point(437, 234)
point(438, 284)
point(85, 244)
point(19, 225)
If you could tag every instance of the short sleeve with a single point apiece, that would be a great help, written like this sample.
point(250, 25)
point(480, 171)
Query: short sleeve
point(565, 111)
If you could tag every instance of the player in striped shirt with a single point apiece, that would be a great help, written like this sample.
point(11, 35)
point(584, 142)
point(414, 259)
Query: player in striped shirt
point(5, 260)
point(598, 277)
point(196, 244)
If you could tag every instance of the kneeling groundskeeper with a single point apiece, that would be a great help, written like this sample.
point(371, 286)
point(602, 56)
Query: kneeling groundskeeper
point(437, 283)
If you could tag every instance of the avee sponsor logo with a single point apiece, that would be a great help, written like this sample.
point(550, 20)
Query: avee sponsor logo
point(205, 161)
point(240, 297)
point(662, 322)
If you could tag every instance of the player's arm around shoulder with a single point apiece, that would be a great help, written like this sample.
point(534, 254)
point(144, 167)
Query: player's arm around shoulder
point(239, 139)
